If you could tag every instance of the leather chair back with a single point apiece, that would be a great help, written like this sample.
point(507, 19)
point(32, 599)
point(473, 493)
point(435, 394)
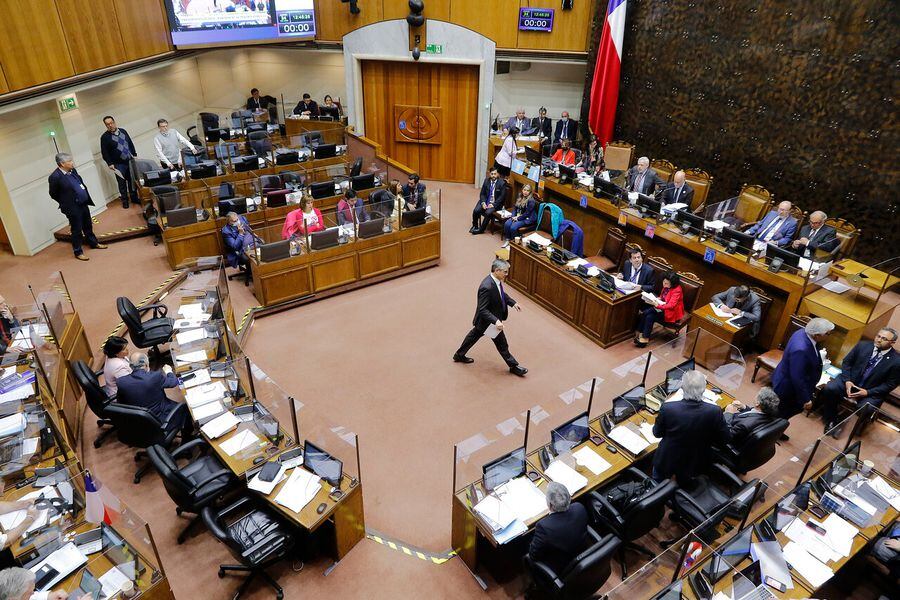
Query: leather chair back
point(93, 392)
point(664, 168)
point(288, 177)
point(168, 197)
point(759, 447)
point(753, 202)
point(797, 322)
point(356, 169)
point(135, 426)
point(589, 570)
point(139, 166)
point(546, 224)
point(177, 485)
point(619, 156)
point(701, 181)
point(645, 515)
point(847, 233)
point(129, 314)
point(614, 245)
point(691, 285)
point(270, 182)
point(765, 302)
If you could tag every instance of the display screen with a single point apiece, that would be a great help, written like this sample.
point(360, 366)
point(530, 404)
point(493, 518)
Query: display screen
point(224, 22)
point(536, 19)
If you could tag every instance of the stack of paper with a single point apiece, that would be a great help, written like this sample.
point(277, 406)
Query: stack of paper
point(494, 512)
point(628, 439)
point(19, 393)
point(12, 424)
point(625, 286)
point(200, 377)
point(840, 534)
point(242, 439)
point(590, 459)
point(722, 314)
point(206, 411)
point(810, 541)
point(537, 239)
point(220, 426)
point(266, 487)
point(190, 310)
point(197, 356)
point(299, 490)
point(562, 473)
point(503, 213)
point(718, 225)
point(811, 569)
point(523, 497)
point(885, 490)
point(577, 262)
point(190, 335)
point(673, 207)
point(647, 432)
point(204, 394)
point(650, 298)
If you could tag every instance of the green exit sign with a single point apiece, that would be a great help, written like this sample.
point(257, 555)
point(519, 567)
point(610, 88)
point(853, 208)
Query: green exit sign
point(434, 48)
point(67, 103)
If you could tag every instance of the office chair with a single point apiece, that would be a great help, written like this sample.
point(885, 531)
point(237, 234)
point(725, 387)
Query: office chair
point(293, 178)
point(139, 166)
point(195, 485)
point(168, 197)
point(146, 334)
point(356, 169)
point(756, 450)
point(191, 134)
point(96, 397)
point(312, 138)
point(259, 142)
point(584, 574)
point(641, 517)
point(270, 183)
point(137, 427)
point(256, 538)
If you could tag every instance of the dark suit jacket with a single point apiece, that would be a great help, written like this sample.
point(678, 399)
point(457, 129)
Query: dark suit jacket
point(544, 128)
point(883, 378)
point(826, 238)
point(525, 129)
point(313, 108)
point(783, 234)
point(147, 389)
point(264, 102)
point(571, 130)
point(685, 197)
point(742, 423)
point(62, 189)
point(490, 307)
point(560, 537)
point(407, 192)
point(109, 150)
point(382, 201)
point(688, 428)
point(796, 376)
point(751, 307)
point(499, 193)
point(648, 186)
point(646, 278)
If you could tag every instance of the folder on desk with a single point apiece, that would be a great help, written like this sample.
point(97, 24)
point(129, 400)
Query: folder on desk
point(187, 358)
point(590, 459)
point(524, 499)
point(560, 472)
point(494, 512)
point(207, 412)
point(299, 490)
point(204, 394)
point(190, 335)
point(220, 426)
point(810, 568)
point(242, 439)
point(200, 377)
point(628, 439)
point(63, 561)
point(12, 424)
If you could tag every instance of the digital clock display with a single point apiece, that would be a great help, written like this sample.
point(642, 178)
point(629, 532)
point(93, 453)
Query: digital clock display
point(536, 19)
point(296, 22)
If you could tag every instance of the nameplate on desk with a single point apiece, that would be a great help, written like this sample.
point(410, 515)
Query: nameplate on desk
point(714, 320)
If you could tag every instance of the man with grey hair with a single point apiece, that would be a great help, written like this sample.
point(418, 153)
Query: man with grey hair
point(562, 535)
point(688, 428)
point(147, 389)
point(520, 122)
point(490, 313)
point(796, 376)
point(777, 227)
point(641, 178)
point(68, 189)
point(868, 373)
point(17, 583)
point(746, 419)
point(816, 235)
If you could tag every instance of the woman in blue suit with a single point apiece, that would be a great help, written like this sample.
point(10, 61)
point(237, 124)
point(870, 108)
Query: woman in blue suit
point(524, 213)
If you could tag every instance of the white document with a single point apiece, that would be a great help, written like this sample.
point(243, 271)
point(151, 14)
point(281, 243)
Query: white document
point(632, 197)
point(673, 207)
point(625, 286)
point(562, 473)
point(301, 487)
point(810, 541)
point(22, 392)
point(266, 487)
point(197, 356)
point(836, 286)
point(192, 310)
point(491, 331)
point(503, 213)
point(201, 377)
point(524, 498)
point(811, 569)
point(29, 446)
point(220, 426)
point(191, 335)
point(14, 518)
point(595, 463)
point(205, 411)
point(628, 439)
point(7, 371)
point(511, 531)
point(240, 440)
point(12, 424)
point(204, 394)
point(855, 499)
point(718, 225)
point(885, 490)
point(112, 581)
point(647, 432)
point(494, 512)
point(771, 562)
point(722, 314)
point(840, 534)
point(537, 239)
point(650, 299)
point(65, 560)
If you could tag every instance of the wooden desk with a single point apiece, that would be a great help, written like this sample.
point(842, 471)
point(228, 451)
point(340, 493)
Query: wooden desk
point(605, 318)
point(708, 350)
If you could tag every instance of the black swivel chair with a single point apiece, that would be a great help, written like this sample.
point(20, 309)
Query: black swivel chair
point(194, 486)
point(96, 396)
point(168, 197)
point(356, 169)
point(642, 516)
point(293, 178)
point(756, 450)
point(259, 143)
point(312, 138)
point(270, 183)
point(139, 428)
point(584, 574)
point(150, 333)
point(256, 539)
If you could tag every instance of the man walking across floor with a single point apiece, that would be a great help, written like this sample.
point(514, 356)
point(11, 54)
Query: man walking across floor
point(68, 189)
point(492, 310)
point(117, 150)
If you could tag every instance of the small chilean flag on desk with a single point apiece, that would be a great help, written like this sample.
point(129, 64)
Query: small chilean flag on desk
point(100, 505)
point(605, 87)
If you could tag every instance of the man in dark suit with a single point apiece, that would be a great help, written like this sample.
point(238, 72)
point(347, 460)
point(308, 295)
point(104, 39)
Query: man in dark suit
point(307, 106)
point(869, 372)
point(256, 102)
point(636, 273)
point(68, 189)
point(688, 427)
point(777, 227)
point(742, 423)
point(641, 178)
point(566, 129)
point(816, 235)
point(796, 376)
point(541, 125)
point(413, 193)
point(117, 150)
point(562, 535)
point(740, 301)
point(492, 309)
point(678, 191)
point(147, 389)
point(490, 200)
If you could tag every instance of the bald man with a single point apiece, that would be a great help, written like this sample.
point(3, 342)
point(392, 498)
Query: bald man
point(520, 122)
point(641, 178)
point(678, 191)
point(816, 235)
point(777, 227)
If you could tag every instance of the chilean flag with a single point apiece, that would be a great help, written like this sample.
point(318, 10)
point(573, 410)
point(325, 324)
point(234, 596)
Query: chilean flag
point(605, 87)
point(100, 505)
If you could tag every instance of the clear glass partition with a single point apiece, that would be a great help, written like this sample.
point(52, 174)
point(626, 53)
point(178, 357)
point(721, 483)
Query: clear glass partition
point(410, 216)
point(722, 363)
point(330, 450)
point(503, 442)
point(53, 299)
point(660, 573)
point(238, 196)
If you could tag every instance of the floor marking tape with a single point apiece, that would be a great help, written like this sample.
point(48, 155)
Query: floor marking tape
point(408, 550)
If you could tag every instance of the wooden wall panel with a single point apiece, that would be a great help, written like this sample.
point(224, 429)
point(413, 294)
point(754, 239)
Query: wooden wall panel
point(453, 88)
point(571, 28)
point(32, 45)
point(434, 9)
point(4, 87)
point(334, 21)
point(497, 20)
point(145, 30)
point(92, 33)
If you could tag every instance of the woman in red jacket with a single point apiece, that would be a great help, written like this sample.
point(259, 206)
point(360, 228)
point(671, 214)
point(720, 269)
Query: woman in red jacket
point(668, 309)
point(305, 217)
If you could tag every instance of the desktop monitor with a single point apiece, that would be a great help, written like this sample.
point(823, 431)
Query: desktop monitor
point(328, 238)
point(729, 556)
point(284, 156)
point(371, 228)
point(324, 189)
point(688, 221)
point(533, 156)
point(412, 218)
point(779, 257)
point(242, 164)
point(329, 111)
point(325, 151)
point(203, 170)
point(277, 198)
point(606, 189)
point(503, 469)
point(570, 434)
point(155, 178)
point(362, 182)
point(735, 240)
point(674, 375)
point(566, 173)
point(628, 403)
point(648, 204)
point(322, 464)
point(191, 160)
point(178, 217)
point(235, 205)
point(703, 589)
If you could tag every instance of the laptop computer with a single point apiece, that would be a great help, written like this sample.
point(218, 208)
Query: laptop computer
point(324, 239)
point(368, 229)
point(181, 216)
point(275, 251)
